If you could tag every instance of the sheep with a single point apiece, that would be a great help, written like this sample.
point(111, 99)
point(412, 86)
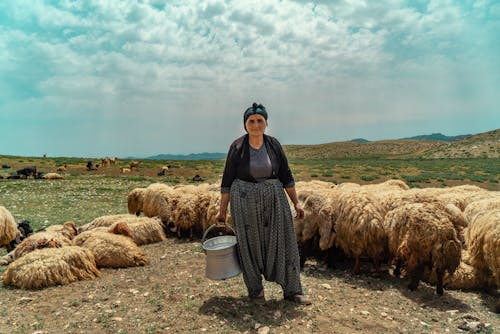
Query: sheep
point(8, 227)
point(106, 221)
point(67, 229)
point(135, 201)
point(113, 160)
point(156, 199)
point(125, 170)
point(386, 186)
point(143, 230)
point(112, 250)
point(359, 228)
point(52, 176)
point(422, 234)
point(25, 231)
point(483, 242)
point(39, 240)
point(50, 267)
point(477, 208)
point(62, 168)
point(135, 164)
point(465, 277)
point(212, 211)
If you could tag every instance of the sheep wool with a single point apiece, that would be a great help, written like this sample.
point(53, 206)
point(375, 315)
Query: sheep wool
point(360, 229)
point(8, 227)
point(50, 267)
point(483, 242)
point(40, 240)
point(143, 231)
point(52, 176)
point(112, 250)
point(465, 277)
point(135, 201)
point(106, 221)
point(67, 230)
point(420, 235)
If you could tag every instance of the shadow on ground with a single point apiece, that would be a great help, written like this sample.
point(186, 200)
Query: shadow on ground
point(243, 314)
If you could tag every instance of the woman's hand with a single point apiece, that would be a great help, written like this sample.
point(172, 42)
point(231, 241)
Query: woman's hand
point(299, 211)
point(220, 220)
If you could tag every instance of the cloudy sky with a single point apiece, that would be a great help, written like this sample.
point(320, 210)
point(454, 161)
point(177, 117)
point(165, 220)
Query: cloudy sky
point(95, 78)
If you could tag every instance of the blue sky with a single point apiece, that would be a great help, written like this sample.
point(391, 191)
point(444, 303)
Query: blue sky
point(136, 78)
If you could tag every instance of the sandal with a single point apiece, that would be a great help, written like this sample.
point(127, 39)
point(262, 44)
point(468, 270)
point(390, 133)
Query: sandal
point(299, 299)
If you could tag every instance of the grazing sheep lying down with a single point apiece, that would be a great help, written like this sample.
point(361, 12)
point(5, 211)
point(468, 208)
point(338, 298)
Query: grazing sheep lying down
point(40, 240)
point(420, 235)
point(8, 227)
point(50, 267)
point(106, 221)
point(52, 176)
point(67, 229)
point(143, 231)
point(112, 250)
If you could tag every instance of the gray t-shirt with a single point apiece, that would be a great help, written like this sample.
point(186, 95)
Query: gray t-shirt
point(260, 164)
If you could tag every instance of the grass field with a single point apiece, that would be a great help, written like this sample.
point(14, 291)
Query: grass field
point(171, 294)
point(84, 195)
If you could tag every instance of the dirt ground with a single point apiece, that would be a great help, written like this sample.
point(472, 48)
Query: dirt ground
point(172, 295)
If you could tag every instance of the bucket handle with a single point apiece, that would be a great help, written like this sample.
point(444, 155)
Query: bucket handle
point(211, 227)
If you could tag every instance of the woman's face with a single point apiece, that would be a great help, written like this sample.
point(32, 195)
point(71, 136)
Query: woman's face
point(255, 125)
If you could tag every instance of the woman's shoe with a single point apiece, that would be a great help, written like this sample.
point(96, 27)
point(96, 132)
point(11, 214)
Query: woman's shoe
point(299, 299)
point(259, 298)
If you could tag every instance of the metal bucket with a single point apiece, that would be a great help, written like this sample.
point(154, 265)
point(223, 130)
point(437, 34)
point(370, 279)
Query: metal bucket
point(222, 257)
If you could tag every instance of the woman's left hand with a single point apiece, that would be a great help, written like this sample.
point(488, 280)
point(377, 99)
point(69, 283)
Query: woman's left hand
point(299, 211)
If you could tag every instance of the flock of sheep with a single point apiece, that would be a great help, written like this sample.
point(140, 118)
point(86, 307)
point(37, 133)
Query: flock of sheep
point(448, 237)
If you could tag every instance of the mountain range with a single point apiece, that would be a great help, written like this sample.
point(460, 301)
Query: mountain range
point(435, 145)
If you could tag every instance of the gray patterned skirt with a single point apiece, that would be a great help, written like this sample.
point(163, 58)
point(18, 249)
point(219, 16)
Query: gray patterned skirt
point(266, 238)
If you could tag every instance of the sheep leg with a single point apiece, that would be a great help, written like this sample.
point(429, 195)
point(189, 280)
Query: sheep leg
point(376, 266)
point(416, 275)
point(356, 266)
point(304, 248)
point(330, 258)
point(397, 270)
point(439, 286)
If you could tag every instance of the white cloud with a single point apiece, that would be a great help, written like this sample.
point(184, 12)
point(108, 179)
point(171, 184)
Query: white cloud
point(347, 62)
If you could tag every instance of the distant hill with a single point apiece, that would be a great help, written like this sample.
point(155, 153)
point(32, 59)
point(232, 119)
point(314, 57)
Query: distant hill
point(360, 140)
point(349, 149)
point(192, 156)
point(437, 136)
point(485, 145)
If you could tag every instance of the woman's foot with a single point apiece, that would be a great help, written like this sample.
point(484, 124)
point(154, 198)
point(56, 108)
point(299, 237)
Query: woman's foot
point(258, 298)
point(299, 299)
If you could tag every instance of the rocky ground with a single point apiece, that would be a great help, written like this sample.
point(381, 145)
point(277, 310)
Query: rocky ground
point(172, 295)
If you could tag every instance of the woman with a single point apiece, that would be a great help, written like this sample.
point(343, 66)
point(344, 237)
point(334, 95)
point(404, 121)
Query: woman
point(255, 174)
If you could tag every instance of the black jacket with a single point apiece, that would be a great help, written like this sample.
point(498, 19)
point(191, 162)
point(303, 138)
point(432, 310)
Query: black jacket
point(238, 163)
